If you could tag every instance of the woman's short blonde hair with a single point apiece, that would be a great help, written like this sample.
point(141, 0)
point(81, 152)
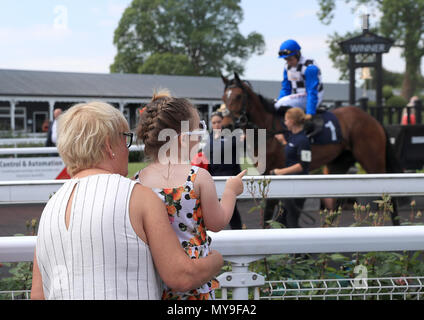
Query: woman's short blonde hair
point(83, 131)
point(297, 115)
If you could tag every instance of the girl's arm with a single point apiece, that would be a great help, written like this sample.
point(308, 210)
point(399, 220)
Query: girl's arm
point(217, 214)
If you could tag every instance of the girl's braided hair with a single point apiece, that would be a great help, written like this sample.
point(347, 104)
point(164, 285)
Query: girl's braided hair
point(162, 112)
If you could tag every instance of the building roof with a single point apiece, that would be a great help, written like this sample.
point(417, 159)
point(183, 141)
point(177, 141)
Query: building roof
point(25, 83)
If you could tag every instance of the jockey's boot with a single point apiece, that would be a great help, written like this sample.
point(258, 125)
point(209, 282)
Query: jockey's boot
point(314, 126)
point(281, 111)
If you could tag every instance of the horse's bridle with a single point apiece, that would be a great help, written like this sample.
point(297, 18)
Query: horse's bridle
point(244, 121)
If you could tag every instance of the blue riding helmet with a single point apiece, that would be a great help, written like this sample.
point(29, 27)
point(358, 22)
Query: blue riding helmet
point(288, 48)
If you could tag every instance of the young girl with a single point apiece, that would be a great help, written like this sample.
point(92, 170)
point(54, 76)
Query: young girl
point(188, 191)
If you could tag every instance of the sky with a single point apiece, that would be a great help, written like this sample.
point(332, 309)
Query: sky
point(77, 35)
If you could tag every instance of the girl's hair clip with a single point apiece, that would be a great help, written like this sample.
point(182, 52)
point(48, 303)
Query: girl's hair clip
point(142, 110)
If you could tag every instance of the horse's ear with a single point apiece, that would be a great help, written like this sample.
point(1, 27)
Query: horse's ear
point(237, 78)
point(225, 80)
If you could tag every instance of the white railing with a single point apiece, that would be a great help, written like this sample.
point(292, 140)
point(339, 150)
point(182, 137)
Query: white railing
point(16, 141)
point(46, 150)
point(241, 247)
point(312, 186)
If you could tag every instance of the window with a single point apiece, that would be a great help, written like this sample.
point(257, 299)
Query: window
point(20, 119)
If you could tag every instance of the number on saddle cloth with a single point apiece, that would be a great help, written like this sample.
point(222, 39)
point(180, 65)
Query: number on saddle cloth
point(327, 130)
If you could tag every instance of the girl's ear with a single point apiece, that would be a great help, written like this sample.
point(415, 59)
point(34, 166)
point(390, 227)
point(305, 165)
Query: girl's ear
point(184, 148)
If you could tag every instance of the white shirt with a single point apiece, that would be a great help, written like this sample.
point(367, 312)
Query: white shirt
point(99, 256)
point(54, 131)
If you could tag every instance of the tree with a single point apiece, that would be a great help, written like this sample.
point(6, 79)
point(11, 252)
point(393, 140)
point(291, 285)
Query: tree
point(188, 37)
point(402, 21)
point(167, 63)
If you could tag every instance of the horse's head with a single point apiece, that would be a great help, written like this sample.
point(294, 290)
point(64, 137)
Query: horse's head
point(235, 99)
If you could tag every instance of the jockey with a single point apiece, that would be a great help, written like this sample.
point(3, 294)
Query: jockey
point(302, 85)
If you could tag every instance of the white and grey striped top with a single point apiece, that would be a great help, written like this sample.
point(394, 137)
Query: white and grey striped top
point(99, 256)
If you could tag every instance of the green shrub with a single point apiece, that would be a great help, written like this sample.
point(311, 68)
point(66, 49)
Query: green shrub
point(396, 101)
point(387, 92)
point(371, 104)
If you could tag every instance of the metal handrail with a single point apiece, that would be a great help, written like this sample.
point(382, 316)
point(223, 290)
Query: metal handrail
point(234, 244)
point(244, 246)
point(47, 150)
point(297, 186)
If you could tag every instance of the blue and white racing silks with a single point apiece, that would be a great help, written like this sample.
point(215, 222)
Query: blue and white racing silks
point(303, 79)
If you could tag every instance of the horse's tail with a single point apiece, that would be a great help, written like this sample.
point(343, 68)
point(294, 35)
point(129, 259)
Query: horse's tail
point(393, 164)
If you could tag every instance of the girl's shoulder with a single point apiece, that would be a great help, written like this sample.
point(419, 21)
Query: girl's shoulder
point(200, 178)
point(200, 172)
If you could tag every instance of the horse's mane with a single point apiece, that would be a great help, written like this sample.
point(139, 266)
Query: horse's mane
point(266, 102)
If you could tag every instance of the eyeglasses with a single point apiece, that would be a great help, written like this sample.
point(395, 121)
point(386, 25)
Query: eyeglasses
point(202, 129)
point(129, 138)
point(284, 52)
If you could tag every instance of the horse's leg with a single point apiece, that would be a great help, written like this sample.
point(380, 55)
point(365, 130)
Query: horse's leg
point(275, 159)
point(328, 203)
point(328, 155)
point(235, 222)
point(340, 165)
point(371, 154)
point(395, 214)
point(269, 210)
point(292, 210)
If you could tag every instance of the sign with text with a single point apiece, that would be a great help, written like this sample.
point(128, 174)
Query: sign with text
point(12, 169)
point(367, 42)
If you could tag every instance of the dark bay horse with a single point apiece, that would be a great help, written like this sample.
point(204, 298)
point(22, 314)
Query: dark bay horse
point(363, 138)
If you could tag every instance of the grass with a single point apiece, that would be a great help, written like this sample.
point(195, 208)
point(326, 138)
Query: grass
point(134, 167)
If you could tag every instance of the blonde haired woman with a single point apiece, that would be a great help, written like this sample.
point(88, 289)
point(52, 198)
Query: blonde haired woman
point(103, 236)
point(298, 157)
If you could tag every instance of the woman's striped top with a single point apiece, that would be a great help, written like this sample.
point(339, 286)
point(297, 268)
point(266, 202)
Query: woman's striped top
point(99, 255)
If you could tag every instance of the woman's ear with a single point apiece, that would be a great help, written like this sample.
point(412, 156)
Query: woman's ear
point(108, 147)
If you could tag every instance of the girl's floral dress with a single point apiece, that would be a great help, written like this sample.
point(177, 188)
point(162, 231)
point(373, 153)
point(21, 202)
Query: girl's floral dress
point(185, 216)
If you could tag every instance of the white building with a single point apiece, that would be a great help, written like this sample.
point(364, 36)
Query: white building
point(28, 98)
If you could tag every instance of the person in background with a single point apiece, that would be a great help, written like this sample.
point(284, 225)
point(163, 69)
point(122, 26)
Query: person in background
point(45, 126)
point(221, 168)
point(188, 191)
point(410, 106)
point(102, 235)
point(52, 131)
point(298, 157)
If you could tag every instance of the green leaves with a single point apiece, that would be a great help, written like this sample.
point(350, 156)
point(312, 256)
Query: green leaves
point(167, 63)
point(186, 37)
point(399, 21)
point(326, 14)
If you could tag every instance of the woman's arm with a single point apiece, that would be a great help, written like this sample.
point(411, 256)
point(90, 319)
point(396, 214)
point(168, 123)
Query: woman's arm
point(37, 292)
point(296, 168)
point(174, 266)
point(281, 139)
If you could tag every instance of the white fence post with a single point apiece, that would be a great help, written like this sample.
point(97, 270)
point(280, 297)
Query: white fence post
point(240, 279)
